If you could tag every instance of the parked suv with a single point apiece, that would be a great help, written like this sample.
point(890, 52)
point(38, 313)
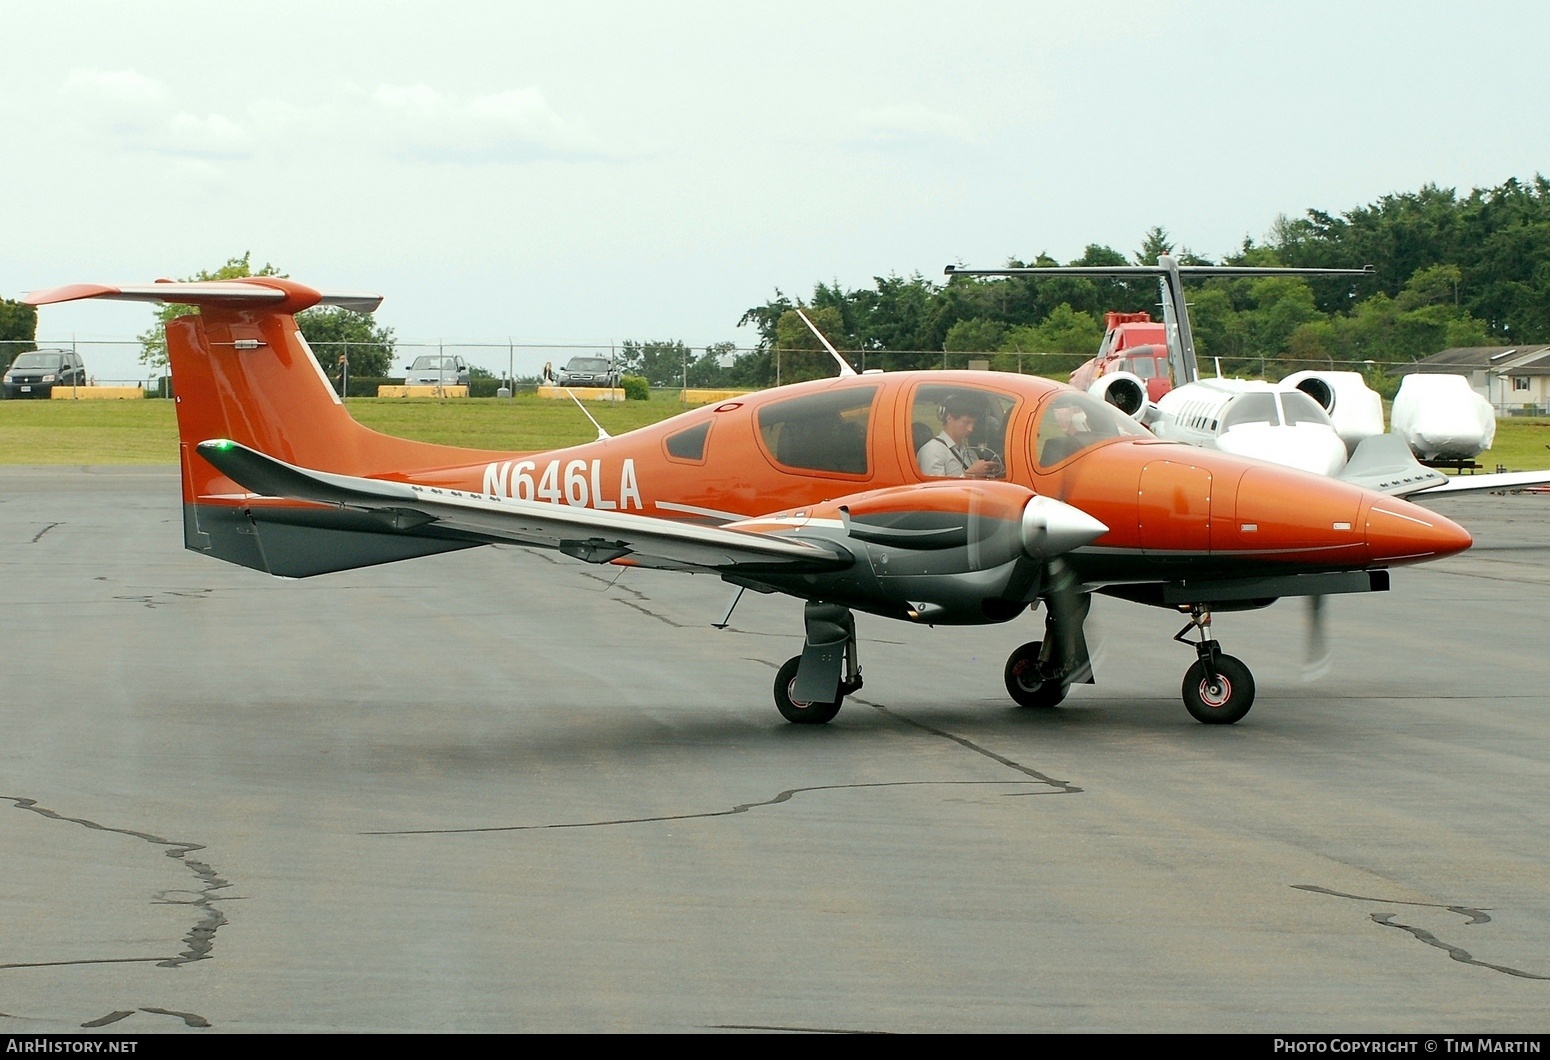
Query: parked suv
point(36, 374)
point(437, 370)
point(589, 371)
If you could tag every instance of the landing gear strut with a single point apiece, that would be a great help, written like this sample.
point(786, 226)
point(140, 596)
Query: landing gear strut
point(1040, 673)
point(1218, 689)
point(810, 687)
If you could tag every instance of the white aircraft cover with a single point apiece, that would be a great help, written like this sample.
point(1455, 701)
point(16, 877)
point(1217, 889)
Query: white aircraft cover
point(1442, 418)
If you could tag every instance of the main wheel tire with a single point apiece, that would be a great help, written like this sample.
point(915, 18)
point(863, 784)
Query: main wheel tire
point(1223, 700)
point(794, 710)
point(1024, 683)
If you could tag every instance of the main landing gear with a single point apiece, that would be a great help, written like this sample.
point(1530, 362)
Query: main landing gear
point(810, 687)
point(1033, 677)
point(1041, 672)
point(1218, 689)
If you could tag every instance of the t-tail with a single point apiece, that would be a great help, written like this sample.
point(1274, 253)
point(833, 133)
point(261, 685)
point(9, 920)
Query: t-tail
point(1170, 276)
point(242, 370)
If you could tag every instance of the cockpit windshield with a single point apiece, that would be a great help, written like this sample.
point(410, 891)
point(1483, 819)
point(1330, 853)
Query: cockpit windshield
point(1258, 408)
point(1300, 408)
point(1074, 421)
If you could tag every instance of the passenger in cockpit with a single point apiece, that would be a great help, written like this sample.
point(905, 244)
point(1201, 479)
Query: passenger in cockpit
point(949, 454)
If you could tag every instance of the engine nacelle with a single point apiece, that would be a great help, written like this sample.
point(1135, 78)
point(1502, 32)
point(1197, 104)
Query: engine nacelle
point(1355, 409)
point(1441, 417)
point(961, 552)
point(1125, 391)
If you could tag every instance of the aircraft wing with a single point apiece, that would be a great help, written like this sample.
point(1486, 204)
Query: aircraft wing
point(585, 533)
point(1507, 480)
point(1384, 463)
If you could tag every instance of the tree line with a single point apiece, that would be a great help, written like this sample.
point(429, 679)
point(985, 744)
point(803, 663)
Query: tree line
point(1450, 270)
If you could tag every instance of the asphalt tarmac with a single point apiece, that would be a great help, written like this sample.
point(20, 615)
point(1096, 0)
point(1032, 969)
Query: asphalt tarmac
point(499, 791)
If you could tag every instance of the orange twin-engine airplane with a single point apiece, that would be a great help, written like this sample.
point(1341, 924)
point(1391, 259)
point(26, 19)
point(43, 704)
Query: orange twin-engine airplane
point(929, 497)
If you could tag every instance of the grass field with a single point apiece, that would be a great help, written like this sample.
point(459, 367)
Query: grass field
point(146, 432)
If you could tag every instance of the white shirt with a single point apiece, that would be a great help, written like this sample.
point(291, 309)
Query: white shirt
point(941, 457)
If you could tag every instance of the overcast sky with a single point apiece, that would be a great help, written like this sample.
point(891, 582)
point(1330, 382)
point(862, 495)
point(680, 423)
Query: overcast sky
point(595, 172)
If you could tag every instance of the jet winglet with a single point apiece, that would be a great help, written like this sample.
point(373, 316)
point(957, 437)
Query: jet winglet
point(1384, 463)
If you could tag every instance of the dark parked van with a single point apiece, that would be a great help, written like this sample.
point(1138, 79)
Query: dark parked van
point(36, 374)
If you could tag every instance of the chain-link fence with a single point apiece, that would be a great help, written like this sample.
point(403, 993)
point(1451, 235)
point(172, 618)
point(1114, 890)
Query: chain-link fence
point(116, 362)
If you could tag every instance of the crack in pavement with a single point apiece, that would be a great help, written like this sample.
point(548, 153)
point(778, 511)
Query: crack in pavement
point(647, 611)
point(788, 1030)
point(190, 1018)
point(1458, 953)
point(37, 536)
point(1476, 916)
point(742, 807)
point(613, 583)
point(85, 960)
point(200, 939)
point(1060, 787)
point(153, 600)
point(111, 1017)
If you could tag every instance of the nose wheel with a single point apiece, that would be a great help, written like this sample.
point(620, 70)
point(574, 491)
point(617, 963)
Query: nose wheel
point(1218, 689)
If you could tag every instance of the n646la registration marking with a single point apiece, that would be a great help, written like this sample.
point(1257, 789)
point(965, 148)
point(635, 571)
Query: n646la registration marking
point(578, 483)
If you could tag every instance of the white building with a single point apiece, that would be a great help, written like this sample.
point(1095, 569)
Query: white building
point(1514, 379)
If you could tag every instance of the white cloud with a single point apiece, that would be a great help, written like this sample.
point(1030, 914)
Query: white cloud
point(126, 86)
point(914, 122)
point(207, 136)
point(415, 121)
point(514, 125)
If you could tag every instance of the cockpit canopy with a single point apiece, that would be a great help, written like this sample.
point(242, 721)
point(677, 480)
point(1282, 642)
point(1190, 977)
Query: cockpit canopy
point(1073, 421)
point(1260, 408)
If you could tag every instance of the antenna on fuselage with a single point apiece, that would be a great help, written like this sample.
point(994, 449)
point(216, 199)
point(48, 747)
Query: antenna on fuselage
point(1170, 277)
point(601, 434)
point(845, 368)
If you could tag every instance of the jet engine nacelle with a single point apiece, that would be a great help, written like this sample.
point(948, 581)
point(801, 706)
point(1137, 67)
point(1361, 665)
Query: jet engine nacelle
point(1125, 391)
point(1441, 417)
point(1355, 409)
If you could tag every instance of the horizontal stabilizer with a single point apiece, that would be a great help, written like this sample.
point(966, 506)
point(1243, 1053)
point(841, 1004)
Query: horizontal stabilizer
point(1385, 463)
point(586, 533)
point(256, 292)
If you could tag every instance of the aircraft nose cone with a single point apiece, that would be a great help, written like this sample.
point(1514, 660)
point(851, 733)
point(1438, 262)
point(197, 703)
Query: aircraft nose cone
point(1051, 527)
point(1400, 532)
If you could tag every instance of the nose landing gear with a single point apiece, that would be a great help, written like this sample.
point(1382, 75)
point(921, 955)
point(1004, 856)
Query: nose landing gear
point(1218, 689)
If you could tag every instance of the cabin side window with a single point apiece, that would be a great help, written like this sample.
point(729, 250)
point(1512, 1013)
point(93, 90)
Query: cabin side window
point(689, 444)
point(960, 431)
point(820, 432)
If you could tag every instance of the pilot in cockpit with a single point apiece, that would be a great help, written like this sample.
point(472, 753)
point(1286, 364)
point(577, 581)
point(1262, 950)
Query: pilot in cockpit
point(949, 454)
